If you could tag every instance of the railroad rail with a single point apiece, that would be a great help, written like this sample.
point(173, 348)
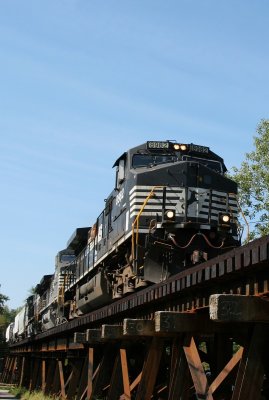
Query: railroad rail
point(200, 334)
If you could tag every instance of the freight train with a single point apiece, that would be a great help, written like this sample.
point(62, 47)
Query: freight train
point(172, 206)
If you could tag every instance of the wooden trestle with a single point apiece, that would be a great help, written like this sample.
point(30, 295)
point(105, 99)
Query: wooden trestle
point(159, 348)
point(217, 353)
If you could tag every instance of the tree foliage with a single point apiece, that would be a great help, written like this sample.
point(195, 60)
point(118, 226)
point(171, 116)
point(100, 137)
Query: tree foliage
point(3, 299)
point(253, 180)
point(3, 321)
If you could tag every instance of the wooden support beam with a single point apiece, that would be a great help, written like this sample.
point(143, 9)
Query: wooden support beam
point(125, 374)
point(83, 381)
point(90, 372)
point(27, 371)
point(56, 384)
point(179, 373)
point(74, 381)
point(88, 391)
point(232, 307)
point(50, 376)
point(22, 370)
point(80, 337)
point(10, 369)
point(138, 327)
point(6, 369)
point(22, 374)
point(68, 380)
point(35, 369)
point(250, 375)
point(150, 369)
point(197, 371)
point(111, 332)
point(93, 335)
point(103, 377)
point(61, 376)
point(31, 374)
point(43, 375)
point(15, 363)
point(136, 381)
point(226, 370)
point(219, 350)
point(176, 322)
point(115, 384)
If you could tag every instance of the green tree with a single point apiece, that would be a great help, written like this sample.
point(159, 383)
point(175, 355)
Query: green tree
point(3, 299)
point(253, 180)
point(3, 323)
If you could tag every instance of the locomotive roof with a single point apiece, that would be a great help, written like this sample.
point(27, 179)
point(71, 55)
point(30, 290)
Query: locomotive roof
point(44, 284)
point(78, 238)
point(192, 150)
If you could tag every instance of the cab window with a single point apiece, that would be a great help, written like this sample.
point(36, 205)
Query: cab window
point(149, 160)
point(67, 258)
point(212, 164)
point(120, 173)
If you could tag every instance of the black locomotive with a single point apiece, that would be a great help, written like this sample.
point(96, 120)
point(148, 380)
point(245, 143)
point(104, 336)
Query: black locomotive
point(172, 207)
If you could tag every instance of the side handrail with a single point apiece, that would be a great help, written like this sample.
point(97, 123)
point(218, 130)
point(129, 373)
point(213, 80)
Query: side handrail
point(135, 224)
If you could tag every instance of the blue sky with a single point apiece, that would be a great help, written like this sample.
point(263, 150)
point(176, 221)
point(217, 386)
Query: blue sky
point(82, 81)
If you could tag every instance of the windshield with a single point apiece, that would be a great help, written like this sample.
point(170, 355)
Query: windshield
point(67, 258)
point(147, 160)
point(212, 164)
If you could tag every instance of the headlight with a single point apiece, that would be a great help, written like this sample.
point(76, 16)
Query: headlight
point(169, 215)
point(180, 147)
point(224, 219)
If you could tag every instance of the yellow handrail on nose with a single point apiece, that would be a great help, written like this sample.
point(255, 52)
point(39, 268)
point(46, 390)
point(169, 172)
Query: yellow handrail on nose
point(136, 221)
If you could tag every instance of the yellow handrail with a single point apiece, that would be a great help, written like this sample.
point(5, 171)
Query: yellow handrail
point(136, 221)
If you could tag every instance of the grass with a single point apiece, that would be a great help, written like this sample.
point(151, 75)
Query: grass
point(4, 386)
point(23, 394)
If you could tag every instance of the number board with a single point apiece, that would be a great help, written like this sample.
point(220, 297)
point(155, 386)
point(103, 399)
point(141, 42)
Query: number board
point(158, 145)
point(199, 149)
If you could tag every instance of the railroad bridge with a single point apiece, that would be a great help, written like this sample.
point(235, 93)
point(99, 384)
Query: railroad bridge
point(201, 334)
